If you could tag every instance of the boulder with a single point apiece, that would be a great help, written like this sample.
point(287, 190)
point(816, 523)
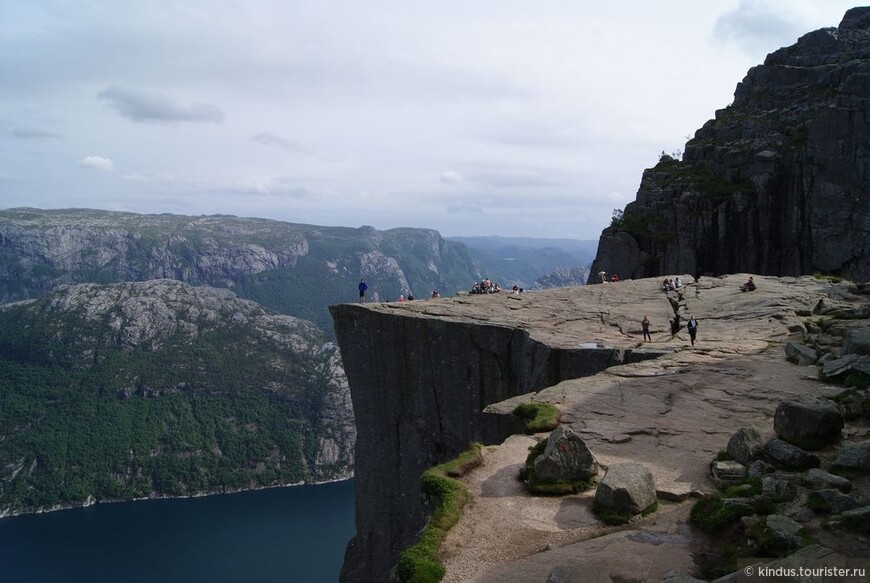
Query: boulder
point(800, 354)
point(745, 444)
point(566, 458)
point(759, 468)
point(728, 471)
point(858, 518)
point(857, 342)
point(838, 366)
point(853, 460)
point(820, 480)
point(786, 456)
point(780, 533)
point(808, 422)
point(626, 488)
point(832, 501)
point(777, 489)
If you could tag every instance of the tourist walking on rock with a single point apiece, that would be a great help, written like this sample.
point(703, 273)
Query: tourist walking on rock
point(692, 327)
point(645, 325)
point(362, 291)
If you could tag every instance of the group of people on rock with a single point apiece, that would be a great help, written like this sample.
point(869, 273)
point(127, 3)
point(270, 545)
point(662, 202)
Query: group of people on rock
point(672, 284)
point(486, 286)
point(691, 327)
point(602, 277)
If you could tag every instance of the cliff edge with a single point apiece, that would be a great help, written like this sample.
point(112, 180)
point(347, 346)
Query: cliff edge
point(429, 377)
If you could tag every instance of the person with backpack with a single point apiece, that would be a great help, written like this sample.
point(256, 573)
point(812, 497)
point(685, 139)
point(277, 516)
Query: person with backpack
point(362, 291)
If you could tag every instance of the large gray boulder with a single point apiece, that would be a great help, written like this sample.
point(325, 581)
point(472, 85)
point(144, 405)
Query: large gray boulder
point(786, 456)
point(745, 445)
point(800, 354)
point(819, 479)
point(626, 488)
point(566, 458)
point(857, 342)
point(832, 501)
point(808, 422)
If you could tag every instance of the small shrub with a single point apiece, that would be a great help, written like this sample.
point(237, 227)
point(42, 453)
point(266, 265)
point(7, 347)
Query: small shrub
point(827, 277)
point(539, 417)
point(857, 379)
point(712, 515)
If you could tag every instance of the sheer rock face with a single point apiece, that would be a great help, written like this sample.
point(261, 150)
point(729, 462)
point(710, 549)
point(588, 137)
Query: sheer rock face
point(776, 184)
point(429, 377)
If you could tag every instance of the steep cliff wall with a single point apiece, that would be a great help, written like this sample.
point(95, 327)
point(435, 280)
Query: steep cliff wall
point(778, 183)
point(419, 384)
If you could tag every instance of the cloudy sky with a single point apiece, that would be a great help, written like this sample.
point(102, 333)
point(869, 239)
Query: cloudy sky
point(493, 117)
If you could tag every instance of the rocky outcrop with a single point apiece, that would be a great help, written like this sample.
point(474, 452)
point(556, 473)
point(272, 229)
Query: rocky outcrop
point(775, 184)
point(429, 377)
point(627, 488)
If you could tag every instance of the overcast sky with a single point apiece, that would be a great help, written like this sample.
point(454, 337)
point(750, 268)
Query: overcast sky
point(490, 117)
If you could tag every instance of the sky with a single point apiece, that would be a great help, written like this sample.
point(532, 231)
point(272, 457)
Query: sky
point(472, 117)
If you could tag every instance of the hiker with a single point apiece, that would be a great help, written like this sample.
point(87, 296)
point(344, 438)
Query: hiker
point(692, 327)
point(645, 325)
point(362, 291)
point(748, 286)
point(435, 293)
point(602, 275)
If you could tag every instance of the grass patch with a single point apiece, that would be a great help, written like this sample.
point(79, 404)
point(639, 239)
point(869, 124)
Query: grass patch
point(420, 563)
point(723, 456)
point(826, 277)
point(857, 379)
point(611, 516)
point(546, 487)
point(712, 515)
point(538, 417)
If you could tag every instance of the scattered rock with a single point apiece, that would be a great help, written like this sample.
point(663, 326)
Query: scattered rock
point(728, 471)
point(780, 533)
point(838, 366)
point(759, 468)
point(808, 422)
point(786, 456)
point(832, 501)
point(777, 489)
point(820, 479)
point(566, 458)
point(800, 354)
point(853, 460)
point(675, 493)
point(626, 488)
point(858, 518)
point(857, 342)
point(673, 577)
point(745, 444)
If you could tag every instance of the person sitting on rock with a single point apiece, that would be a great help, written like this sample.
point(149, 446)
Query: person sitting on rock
point(748, 286)
point(678, 282)
point(435, 293)
point(614, 278)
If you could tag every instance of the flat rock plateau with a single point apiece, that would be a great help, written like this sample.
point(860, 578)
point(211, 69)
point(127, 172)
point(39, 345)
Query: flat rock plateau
point(672, 412)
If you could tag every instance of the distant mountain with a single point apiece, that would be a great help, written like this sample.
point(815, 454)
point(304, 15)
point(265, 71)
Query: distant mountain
point(290, 268)
point(524, 260)
point(563, 277)
point(159, 388)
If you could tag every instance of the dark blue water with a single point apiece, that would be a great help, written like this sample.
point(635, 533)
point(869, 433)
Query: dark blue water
point(293, 535)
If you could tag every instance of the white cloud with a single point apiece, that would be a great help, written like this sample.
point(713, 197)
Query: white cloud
point(451, 177)
point(97, 163)
point(268, 139)
point(143, 106)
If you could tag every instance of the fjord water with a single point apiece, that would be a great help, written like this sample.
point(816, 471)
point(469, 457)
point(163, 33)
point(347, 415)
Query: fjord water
point(294, 535)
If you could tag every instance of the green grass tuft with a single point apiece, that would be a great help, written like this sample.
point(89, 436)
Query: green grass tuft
point(420, 563)
point(610, 516)
point(547, 488)
point(539, 417)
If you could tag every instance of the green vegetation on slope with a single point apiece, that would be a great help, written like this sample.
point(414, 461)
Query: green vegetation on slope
point(81, 417)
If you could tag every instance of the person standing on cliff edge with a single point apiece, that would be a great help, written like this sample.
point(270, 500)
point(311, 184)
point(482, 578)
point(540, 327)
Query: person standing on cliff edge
point(645, 325)
point(362, 291)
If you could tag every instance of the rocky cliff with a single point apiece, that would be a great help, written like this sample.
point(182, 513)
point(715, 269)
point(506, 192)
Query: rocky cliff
point(159, 388)
point(422, 374)
point(778, 183)
point(427, 378)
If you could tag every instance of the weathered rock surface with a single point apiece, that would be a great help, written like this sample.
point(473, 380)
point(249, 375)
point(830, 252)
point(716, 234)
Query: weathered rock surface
point(809, 423)
point(626, 488)
point(833, 501)
point(857, 342)
point(775, 184)
point(786, 456)
point(820, 480)
point(566, 458)
point(422, 372)
point(800, 354)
